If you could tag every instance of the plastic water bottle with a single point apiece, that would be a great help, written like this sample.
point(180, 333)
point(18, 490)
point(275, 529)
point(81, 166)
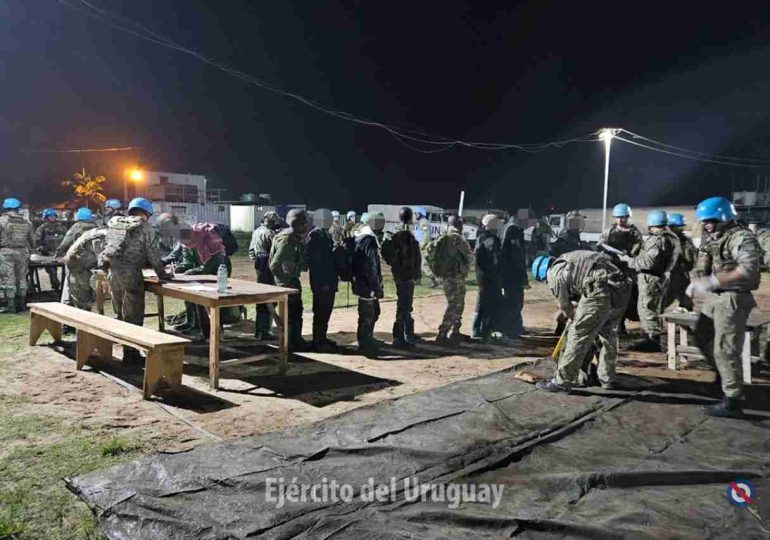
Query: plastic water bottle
point(222, 279)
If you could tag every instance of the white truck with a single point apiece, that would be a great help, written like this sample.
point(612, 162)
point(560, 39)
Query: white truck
point(436, 217)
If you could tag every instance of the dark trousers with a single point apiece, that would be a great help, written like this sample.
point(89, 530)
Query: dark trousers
point(487, 308)
point(295, 315)
point(403, 328)
point(323, 304)
point(511, 323)
point(263, 321)
point(368, 313)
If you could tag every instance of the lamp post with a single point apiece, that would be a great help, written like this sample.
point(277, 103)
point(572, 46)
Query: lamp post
point(135, 174)
point(606, 135)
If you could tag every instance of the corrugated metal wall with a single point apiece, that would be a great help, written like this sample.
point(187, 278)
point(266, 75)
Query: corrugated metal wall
point(196, 213)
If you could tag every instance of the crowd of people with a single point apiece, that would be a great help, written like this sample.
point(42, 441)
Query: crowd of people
point(629, 274)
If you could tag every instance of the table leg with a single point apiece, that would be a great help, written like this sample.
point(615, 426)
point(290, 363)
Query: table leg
point(214, 338)
point(746, 357)
point(683, 336)
point(161, 313)
point(283, 337)
point(671, 335)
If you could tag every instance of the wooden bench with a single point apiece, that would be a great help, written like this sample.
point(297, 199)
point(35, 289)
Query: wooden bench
point(164, 352)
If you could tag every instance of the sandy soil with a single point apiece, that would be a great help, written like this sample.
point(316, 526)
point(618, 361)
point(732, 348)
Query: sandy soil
point(254, 399)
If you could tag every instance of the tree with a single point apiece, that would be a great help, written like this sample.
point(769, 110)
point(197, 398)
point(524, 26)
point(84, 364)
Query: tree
point(87, 187)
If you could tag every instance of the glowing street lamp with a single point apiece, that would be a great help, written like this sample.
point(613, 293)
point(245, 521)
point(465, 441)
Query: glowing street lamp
point(134, 174)
point(606, 135)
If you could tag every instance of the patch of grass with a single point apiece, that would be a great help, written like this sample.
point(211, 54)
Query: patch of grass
point(115, 446)
point(10, 528)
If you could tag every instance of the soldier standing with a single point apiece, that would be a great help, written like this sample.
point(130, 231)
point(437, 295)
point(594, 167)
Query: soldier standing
point(423, 235)
point(259, 252)
point(601, 291)
point(732, 273)
point(351, 225)
point(450, 259)
point(323, 280)
point(680, 275)
point(569, 239)
point(367, 281)
point(17, 238)
point(336, 230)
point(513, 266)
point(287, 262)
point(402, 252)
point(622, 235)
point(81, 258)
point(112, 208)
point(131, 244)
point(488, 277)
point(84, 221)
point(48, 236)
point(653, 265)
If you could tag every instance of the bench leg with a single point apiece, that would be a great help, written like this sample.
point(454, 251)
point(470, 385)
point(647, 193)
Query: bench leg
point(671, 334)
point(86, 343)
point(746, 358)
point(163, 364)
point(214, 338)
point(161, 313)
point(38, 323)
point(283, 335)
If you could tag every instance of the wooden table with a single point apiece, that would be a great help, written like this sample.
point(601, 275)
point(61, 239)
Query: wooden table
point(685, 321)
point(202, 290)
point(38, 262)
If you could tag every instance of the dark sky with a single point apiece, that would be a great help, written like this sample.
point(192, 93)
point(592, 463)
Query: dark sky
point(690, 74)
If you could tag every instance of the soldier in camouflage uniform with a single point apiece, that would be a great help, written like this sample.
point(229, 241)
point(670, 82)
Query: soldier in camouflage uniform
point(733, 271)
point(680, 275)
point(457, 258)
point(351, 226)
point(621, 235)
point(653, 265)
point(601, 291)
point(423, 235)
point(287, 262)
point(48, 236)
point(84, 221)
point(131, 244)
point(336, 230)
point(259, 252)
point(17, 238)
point(80, 260)
point(763, 237)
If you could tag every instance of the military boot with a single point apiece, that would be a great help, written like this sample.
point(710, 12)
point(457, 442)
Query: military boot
point(442, 338)
point(649, 344)
point(433, 283)
point(727, 408)
point(21, 303)
point(411, 337)
point(399, 336)
point(132, 358)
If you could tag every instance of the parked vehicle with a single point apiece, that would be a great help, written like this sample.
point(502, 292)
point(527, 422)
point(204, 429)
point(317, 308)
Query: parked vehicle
point(437, 218)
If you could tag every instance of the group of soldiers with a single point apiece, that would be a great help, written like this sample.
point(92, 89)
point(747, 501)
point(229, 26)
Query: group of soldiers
point(593, 290)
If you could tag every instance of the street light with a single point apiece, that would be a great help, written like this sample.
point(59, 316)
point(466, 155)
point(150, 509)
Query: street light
point(606, 135)
point(134, 174)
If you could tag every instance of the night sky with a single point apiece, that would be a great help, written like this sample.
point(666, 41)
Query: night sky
point(689, 74)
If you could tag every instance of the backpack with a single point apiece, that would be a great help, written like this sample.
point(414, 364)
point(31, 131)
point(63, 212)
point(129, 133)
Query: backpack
point(117, 235)
point(228, 239)
point(436, 255)
point(400, 251)
point(343, 260)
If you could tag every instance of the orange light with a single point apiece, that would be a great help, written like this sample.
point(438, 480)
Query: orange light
point(135, 174)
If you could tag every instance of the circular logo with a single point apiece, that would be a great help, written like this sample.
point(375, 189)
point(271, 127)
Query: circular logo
point(740, 493)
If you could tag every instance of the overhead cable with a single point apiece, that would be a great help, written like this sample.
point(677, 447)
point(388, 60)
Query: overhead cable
point(694, 158)
point(695, 152)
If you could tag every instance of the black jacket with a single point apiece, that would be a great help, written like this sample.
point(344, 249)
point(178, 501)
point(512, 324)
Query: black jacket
point(367, 271)
point(402, 252)
point(320, 261)
point(513, 262)
point(487, 259)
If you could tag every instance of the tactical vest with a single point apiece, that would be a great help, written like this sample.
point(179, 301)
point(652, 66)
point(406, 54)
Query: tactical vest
point(16, 232)
point(85, 251)
point(622, 239)
point(720, 258)
point(117, 235)
point(670, 251)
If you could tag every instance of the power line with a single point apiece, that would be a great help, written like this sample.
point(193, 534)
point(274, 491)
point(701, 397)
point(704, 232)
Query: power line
point(694, 158)
point(400, 134)
point(704, 154)
point(83, 150)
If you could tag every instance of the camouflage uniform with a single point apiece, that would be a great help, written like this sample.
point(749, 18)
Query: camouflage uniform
point(48, 236)
point(422, 233)
point(602, 291)
point(259, 252)
point(72, 235)
point(17, 238)
point(338, 234)
point(458, 250)
point(287, 262)
point(680, 275)
point(626, 239)
point(80, 260)
point(568, 240)
point(659, 254)
point(722, 323)
point(131, 244)
point(763, 236)
point(350, 230)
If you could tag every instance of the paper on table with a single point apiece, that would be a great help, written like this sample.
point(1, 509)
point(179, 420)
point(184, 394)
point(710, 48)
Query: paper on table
point(198, 287)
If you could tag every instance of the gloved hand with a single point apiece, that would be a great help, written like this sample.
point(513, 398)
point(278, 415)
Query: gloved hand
point(625, 258)
point(702, 286)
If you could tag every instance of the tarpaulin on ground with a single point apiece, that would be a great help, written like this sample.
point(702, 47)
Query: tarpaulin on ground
point(596, 466)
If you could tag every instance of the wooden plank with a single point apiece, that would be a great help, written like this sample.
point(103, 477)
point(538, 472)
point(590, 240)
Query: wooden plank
point(283, 334)
point(37, 323)
point(240, 291)
point(683, 336)
point(746, 358)
point(671, 335)
point(161, 313)
point(106, 327)
point(214, 348)
point(162, 365)
point(249, 359)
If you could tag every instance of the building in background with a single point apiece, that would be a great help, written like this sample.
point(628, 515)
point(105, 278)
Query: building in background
point(186, 195)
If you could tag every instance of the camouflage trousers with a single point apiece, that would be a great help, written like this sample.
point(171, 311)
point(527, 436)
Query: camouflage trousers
point(652, 290)
point(597, 315)
point(127, 291)
point(454, 290)
point(425, 268)
point(13, 272)
point(720, 332)
point(676, 291)
point(80, 289)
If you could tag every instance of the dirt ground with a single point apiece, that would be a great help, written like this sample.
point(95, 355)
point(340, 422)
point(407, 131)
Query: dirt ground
point(252, 398)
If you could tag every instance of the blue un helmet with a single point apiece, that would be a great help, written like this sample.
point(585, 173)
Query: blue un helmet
point(83, 214)
point(677, 220)
point(351, 214)
point(717, 208)
point(540, 266)
point(420, 211)
point(11, 204)
point(142, 204)
point(657, 218)
point(50, 212)
point(335, 214)
point(621, 210)
point(115, 204)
